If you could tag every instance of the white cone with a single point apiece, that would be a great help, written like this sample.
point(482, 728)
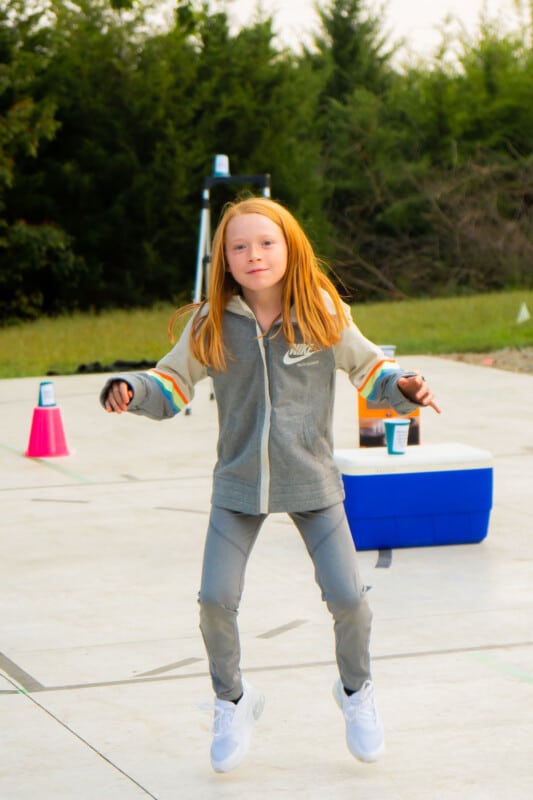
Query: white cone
point(523, 314)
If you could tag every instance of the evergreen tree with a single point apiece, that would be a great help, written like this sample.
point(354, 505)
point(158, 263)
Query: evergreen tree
point(357, 147)
point(37, 266)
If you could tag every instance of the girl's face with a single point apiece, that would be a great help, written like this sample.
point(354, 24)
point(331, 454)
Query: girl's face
point(256, 253)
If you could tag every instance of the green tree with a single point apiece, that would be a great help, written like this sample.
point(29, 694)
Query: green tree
point(260, 106)
point(422, 167)
point(26, 121)
point(406, 179)
point(357, 160)
point(83, 174)
point(468, 152)
point(352, 49)
point(493, 96)
point(141, 116)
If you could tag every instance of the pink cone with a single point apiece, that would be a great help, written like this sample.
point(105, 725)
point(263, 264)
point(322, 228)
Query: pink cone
point(47, 437)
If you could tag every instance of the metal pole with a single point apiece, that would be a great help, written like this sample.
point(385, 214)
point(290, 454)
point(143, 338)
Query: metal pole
point(207, 250)
point(204, 229)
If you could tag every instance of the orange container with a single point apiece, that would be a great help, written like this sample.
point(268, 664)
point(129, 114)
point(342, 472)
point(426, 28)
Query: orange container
point(372, 428)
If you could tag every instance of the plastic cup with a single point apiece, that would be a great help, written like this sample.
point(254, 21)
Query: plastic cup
point(389, 350)
point(47, 396)
point(221, 166)
point(396, 433)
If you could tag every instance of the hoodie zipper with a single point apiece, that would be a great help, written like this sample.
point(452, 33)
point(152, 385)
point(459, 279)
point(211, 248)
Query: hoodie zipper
point(264, 478)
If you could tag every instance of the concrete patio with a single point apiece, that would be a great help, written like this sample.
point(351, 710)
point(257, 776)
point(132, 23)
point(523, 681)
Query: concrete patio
point(102, 668)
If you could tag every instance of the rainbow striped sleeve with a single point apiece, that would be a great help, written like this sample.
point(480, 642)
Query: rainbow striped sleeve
point(170, 389)
point(368, 387)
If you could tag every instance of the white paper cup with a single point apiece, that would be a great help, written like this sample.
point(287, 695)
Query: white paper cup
point(221, 166)
point(396, 433)
point(389, 350)
point(46, 394)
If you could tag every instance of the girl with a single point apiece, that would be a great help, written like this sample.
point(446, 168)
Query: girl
point(271, 336)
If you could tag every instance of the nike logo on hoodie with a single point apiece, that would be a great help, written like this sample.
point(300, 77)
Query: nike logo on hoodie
point(298, 352)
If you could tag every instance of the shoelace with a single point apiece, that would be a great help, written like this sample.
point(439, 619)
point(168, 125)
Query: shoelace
point(361, 706)
point(223, 717)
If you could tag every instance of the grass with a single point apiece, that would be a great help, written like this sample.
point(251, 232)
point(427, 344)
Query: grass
point(476, 324)
point(480, 323)
point(61, 344)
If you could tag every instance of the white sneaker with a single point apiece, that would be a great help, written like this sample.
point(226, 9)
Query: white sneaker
point(232, 728)
point(364, 731)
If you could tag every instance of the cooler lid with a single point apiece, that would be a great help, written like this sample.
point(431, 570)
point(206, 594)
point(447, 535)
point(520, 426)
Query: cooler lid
point(417, 458)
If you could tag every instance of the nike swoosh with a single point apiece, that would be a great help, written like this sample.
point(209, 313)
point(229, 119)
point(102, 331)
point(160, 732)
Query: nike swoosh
point(293, 358)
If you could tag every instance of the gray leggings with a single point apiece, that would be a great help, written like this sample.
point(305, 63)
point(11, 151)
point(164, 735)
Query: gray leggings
point(230, 539)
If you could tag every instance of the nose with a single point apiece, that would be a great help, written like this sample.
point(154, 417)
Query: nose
point(253, 254)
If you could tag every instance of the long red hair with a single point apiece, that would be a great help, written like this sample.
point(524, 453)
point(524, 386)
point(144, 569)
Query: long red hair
point(305, 289)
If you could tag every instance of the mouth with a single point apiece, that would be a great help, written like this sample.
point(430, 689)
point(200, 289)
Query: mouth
point(257, 270)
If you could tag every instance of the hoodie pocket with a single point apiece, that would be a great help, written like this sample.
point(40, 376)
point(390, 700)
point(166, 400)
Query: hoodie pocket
point(315, 437)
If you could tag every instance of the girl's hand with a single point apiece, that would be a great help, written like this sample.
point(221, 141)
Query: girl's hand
point(415, 388)
point(118, 397)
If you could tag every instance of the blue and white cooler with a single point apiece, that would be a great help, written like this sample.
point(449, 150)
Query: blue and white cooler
point(431, 495)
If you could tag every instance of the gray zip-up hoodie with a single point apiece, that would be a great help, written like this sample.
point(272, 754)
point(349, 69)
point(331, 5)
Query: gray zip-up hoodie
point(275, 409)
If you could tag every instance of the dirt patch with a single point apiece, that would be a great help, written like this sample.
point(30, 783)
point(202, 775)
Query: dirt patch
point(514, 359)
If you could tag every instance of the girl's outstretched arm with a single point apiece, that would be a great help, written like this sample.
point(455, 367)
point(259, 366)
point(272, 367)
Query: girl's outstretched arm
point(380, 379)
point(158, 393)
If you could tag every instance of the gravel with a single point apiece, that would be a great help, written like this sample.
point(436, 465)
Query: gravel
point(514, 359)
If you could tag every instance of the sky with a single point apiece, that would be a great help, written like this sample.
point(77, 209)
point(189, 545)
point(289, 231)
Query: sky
point(416, 21)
